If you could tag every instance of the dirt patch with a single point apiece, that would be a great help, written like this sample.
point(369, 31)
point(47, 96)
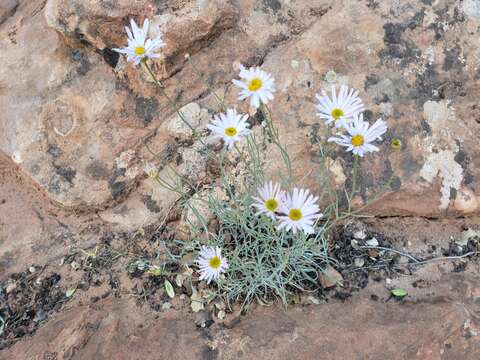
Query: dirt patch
point(26, 301)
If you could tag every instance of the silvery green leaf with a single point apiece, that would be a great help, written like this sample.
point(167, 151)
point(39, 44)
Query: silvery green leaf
point(169, 289)
point(69, 293)
point(399, 292)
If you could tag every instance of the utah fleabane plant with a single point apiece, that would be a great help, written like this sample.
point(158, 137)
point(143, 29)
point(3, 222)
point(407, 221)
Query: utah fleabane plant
point(140, 47)
point(266, 242)
point(256, 84)
point(299, 211)
point(211, 263)
point(360, 135)
point(340, 109)
point(230, 127)
point(270, 197)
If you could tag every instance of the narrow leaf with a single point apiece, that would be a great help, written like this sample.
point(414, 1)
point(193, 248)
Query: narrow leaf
point(169, 289)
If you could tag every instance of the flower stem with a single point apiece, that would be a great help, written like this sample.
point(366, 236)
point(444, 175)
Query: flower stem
point(354, 180)
point(207, 84)
point(172, 103)
point(276, 140)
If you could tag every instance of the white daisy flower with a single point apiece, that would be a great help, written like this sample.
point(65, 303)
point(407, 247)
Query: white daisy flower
point(256, 84)
point(230, 127)
point(341, 109)
point(360, 135)
point(269, 200)
point(211, 263)
point(150, 169)
point(139, 46)
point(299, 211)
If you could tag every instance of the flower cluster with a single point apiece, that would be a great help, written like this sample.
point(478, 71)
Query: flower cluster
point(345, 111)
point(295, 211)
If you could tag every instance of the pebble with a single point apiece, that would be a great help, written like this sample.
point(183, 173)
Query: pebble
point(40, 316)
point(359, 262)
point(166, 306)
point(330, 278)
point(360, 234)
point(10, 287)
point(372, 242)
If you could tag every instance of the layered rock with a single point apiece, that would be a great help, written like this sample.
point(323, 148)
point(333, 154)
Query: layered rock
point(76, 115)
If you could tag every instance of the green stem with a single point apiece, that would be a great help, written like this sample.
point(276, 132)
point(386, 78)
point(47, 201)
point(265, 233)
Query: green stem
point(172, 103)
point(354, 181)
point(276, 140)
point(207, 84)
point(367, 204)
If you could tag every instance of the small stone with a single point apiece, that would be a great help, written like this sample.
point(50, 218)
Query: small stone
point(10, 287)
point(388, 281)
point(203, 319)
point(40, 316)
point(32, 269)
point(166, 306)
point(360, 234)
point(468, 235)
point(221, 314)
point(372, 242)
point(354, 244)
point(359, 262)
point(330, 277)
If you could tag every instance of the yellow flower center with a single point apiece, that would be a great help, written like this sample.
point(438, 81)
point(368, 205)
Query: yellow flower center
point(140, 50)
point(397, 144)
point(231, 131)
point(271, 204)
point(254, 84)
point(337, 113)
point(295, 214)
point(358, 140)
point(215, 262)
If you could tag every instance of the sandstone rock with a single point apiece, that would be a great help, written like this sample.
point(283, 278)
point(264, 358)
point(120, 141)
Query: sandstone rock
point(413, 62)
point(402, 69)
point(330, 278)
point(96, 22)
point(440, 325)
point(124, 333)
point(7, 8)
point(182, 163)
point(61, 117)
point(101, 23)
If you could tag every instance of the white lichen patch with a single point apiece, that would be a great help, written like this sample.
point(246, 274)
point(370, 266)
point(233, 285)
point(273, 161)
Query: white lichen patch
point(443, 164)
point(125, 158)
point(335, 167)
point(196, 117)
point(440, 117)
point(472, 8)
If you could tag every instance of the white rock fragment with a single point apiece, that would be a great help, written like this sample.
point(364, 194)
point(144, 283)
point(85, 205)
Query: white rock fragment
point(360, 234)
point(443, 164)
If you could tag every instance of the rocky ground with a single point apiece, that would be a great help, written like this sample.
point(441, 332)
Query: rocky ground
point(77, 212)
